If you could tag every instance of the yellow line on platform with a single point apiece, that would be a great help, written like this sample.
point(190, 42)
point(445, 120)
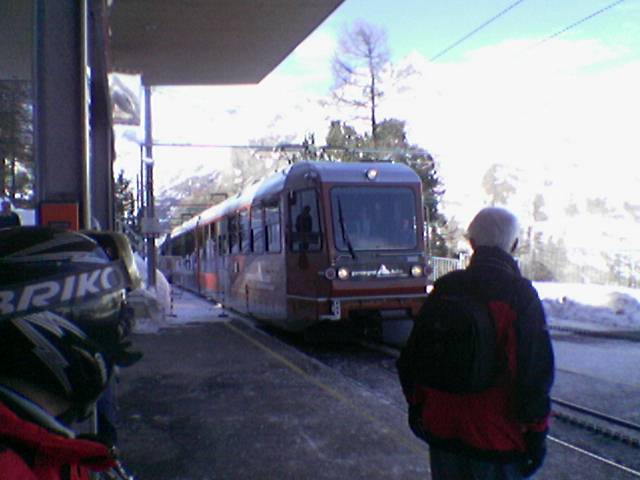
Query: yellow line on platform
point(326, 388)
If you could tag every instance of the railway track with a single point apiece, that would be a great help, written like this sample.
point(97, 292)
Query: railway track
point(598, 422)
point(632, 335)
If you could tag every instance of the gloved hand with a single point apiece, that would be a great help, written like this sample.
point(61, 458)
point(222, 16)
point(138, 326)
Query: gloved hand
point(536, 449)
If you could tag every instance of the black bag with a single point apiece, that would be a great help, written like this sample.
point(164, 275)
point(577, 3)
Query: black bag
point(455, 345)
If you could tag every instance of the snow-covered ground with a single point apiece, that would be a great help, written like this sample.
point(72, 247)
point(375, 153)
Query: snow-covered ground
point(590, 306)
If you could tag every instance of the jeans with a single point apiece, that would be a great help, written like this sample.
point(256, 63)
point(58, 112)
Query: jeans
point(455, 466)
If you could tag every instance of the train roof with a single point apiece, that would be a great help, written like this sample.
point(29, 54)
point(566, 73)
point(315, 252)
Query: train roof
point(349, 172)
point(331, 172)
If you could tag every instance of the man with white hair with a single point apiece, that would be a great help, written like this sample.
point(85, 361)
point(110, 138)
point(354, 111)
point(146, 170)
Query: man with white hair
point(498, 432)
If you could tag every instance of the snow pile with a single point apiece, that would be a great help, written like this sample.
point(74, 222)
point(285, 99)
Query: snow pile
point(151, 305)
point(590, 306)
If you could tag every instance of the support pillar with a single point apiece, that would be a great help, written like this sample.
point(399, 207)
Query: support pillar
point(59, 107)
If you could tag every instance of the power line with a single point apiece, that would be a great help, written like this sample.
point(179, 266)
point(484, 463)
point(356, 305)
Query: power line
point(477, 29)
point(284, 147)
point(575, 24)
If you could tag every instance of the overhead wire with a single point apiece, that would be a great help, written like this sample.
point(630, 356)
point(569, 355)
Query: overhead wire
point(576, 23)
point(512, 6)
point(477, 29)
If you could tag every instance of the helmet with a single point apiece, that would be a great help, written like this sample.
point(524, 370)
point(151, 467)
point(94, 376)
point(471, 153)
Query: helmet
point(61, 312)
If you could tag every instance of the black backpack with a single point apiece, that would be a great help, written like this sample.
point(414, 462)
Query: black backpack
point(453, 346)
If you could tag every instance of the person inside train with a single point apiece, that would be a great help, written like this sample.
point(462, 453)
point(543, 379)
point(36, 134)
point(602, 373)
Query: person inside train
point(498, 432)
point(406, 235)
point(304, 225)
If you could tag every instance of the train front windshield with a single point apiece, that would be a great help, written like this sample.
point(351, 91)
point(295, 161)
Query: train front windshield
point(374, 218)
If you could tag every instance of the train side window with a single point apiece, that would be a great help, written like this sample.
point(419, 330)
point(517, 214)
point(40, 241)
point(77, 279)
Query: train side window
point(222, 238)
point(234, 234)
point(190, 250)
point(305, 231)
point(201, 240)
point(272, 227)
point(211, 240)
point(257, 229)
point(190, 241)
point(245, 232)
point(182, 245)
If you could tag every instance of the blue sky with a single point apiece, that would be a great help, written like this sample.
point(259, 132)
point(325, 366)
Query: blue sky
point(429, 27)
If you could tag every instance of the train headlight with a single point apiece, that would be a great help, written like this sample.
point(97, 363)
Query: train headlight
point(417, 271)
point(371, 174)
point(330, 273)
point(343, 273)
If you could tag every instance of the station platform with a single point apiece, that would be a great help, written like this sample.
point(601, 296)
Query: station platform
point(216, 398)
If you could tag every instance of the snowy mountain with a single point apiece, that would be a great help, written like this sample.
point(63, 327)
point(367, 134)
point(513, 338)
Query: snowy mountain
point(562, 165)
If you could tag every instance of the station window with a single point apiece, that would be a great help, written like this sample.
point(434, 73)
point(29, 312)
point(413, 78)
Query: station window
point(304, 215)
point(257, 229)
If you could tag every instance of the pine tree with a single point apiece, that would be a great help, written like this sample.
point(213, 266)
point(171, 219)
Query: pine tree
point(17, 165)
point(124, 201)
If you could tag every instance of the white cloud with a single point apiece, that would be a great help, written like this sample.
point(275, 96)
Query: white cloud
point(564, 111)
point(548, 111)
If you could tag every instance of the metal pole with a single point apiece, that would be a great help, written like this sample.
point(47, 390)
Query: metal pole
point(85, 77)
point(150, 207)
point(428, 229)
point(141, 184)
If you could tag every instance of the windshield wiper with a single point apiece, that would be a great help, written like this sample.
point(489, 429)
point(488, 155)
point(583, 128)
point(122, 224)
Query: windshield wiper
point(345, 235)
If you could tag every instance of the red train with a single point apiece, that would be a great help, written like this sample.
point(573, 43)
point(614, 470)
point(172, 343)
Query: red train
point(318, 241)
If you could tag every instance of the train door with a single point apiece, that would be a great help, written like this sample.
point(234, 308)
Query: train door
point(199, 258)
point(207, 276)
point(242, 271)
point(223, 261)
point(235, 296)
point(190, 260)
point(274, 264)
point(304, 253)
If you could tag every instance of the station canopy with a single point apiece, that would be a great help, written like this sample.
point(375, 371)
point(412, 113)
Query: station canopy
point(209, 42)
point(181, 42)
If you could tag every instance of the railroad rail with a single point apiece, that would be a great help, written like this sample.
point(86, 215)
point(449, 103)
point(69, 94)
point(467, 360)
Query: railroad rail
point(585, 421)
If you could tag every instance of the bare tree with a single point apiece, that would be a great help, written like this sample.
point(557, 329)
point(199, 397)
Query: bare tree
point(358, 66)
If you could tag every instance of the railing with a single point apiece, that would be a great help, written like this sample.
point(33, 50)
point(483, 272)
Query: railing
point(441, 265)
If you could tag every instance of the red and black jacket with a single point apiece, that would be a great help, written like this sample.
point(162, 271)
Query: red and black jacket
point(490, 424)
point(31, 452)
